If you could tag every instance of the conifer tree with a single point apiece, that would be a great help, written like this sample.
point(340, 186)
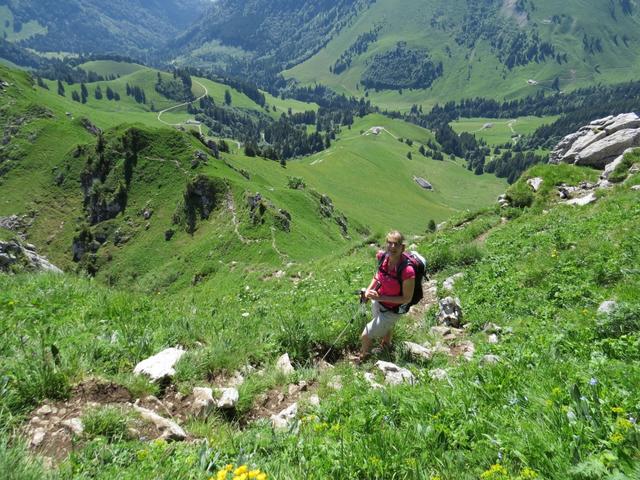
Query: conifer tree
point(60, 89)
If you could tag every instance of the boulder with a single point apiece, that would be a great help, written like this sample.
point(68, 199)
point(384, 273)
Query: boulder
point(160, 365)
point(170, 430)
point(284, 365)
point(395, 375)
point(450, 313)
point(599, 153)
point(635, 188)
point(14, 255)
point(285, 417)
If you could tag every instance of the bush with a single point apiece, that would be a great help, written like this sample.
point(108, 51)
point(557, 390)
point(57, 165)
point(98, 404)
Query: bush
point(296, 183)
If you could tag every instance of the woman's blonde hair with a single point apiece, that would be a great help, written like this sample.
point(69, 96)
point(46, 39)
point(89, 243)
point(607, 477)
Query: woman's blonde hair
point(396, 234)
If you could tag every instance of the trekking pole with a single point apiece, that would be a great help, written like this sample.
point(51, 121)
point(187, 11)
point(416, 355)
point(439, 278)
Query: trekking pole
point(353, 317)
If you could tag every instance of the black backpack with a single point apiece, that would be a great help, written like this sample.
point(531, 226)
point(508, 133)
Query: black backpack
point(419, 265)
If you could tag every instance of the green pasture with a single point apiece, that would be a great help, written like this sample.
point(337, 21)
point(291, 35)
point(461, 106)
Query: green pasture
point(474, 72)
point(110, 67)
point(497, 131)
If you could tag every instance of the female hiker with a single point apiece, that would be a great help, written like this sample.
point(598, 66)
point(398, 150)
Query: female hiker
point(391, 286)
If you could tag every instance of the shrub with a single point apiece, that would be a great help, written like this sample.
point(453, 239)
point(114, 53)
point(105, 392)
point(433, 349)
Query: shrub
point(296, 183)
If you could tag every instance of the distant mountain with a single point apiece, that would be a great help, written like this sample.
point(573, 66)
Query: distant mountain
point(441, 49)
point(130, 27)
point(279, 33)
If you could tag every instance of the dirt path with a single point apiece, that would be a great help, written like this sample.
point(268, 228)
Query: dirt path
point(206, 92)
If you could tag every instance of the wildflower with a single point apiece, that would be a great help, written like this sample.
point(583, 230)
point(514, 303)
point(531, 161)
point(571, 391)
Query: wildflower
point(617, 410)
point(616, 438)
point(623, 424)
point(240, 470)
point(495, 472)
point(262, 476)
point(593, 382)
point(528, 474)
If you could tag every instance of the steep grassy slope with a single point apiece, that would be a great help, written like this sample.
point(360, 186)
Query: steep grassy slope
point(368, 180)
point(459, 33)
point(559, 404)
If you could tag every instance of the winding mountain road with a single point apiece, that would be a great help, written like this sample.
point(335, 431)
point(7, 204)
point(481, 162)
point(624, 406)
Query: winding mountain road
point(206, 92)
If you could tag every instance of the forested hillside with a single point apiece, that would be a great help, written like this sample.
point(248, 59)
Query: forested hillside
point(86, 26)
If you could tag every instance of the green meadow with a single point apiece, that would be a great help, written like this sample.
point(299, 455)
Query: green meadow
point(497, 131)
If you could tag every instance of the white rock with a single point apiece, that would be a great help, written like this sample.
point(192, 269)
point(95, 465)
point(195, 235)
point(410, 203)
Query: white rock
point(610, 167)
point(438, 374)
point(468, 349)
point(160, 365)
point(371, 380)
point(395, 375)
point(450, 313)
point(285, 417)
point(418, 350)
point(314, 400)
point(581, 201)
point(236, 380)
point(202, 400)
point(74, 425)
point(170, 430)
point(622, 121)
point(635, 187)
point(44, 410)
point(493, 338)
point(38, 437)
point(448, 284)
point(228, 399)
point(607, 307)
point(535, 183)
point(284, 365)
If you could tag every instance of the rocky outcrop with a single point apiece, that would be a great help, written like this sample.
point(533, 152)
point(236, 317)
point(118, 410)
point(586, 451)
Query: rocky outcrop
point(14, 257)
point(600, 142)
point(170, 430)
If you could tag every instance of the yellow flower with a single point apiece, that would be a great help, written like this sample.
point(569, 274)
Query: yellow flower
point(616, 438)
point(262, 476)
point(617, 410)
point(240, 470)
point(495, 472)
point(254, 473)
point(221, 475)
point(228, 467)
point(528, 474)
point(623, 424)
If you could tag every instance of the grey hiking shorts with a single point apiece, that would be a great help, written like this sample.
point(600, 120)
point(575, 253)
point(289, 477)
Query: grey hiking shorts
point(382, 322)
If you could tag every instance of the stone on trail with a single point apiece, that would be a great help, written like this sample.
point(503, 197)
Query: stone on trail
point(448, 284)
point(285, 417)
point(160, 365)
point(450, 313)
point(170, 430)
point(493, 338)
point(491, 327)
point(395, 375)
point(418, 350)
point(228, 399)
point(74, 425)
point(38, 437)
point(284, 365)
point(467, 349)
point(202, 400)
point(314, 400)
